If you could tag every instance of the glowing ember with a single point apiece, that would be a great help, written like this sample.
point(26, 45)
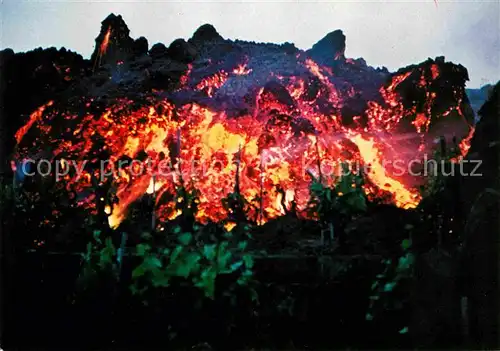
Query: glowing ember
point(209, 84)
point(105, 42)
point(241, 70)
point(34, 117)
point(421, 121)
point(464, 145)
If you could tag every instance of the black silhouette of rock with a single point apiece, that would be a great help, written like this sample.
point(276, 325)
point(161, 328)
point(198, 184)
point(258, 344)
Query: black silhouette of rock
point(329, 49)
point(478, 97)
point(113, 45)
point(484, 148)
point(481, 269)
point(165, 75)
point(205, 34)
point(182, 51)
point(471, 197)
point(289, 48)
point(5, 55)
point(158, 51)
point(142, 62)
point(140, 47)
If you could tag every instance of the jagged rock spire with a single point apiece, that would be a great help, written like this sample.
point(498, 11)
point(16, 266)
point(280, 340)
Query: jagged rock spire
point(330, 48)
point(205, 34)
point(113, 43)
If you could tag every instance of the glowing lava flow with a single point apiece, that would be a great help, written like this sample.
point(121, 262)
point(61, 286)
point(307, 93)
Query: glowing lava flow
point(105, 42)
point(276, 146)
point(403, 197)
point(34, 117)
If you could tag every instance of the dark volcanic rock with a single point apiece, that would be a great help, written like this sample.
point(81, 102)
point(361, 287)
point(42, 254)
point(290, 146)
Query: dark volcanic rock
point(113, 43)
point(5, 55)
point(182, 51)
point(484, 148)
point(478, 97)
point(481, 267)
point(329, 49)
point(158, 51)
point(278, 92)
point(439, 78)
point(140, 46)
point(142, 62)
point(205, 34)
point(472, 199)
point(165, 74)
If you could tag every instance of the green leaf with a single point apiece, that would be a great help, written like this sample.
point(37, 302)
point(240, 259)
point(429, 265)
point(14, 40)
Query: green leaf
point(405, 263)
point(97, 234)
point(223, 258)
point(142, 249)
point(254, 295)
point(248, 260)
point(110, 246)
point(153, 262)
point(138, 271)
point(136, 291)
point(185, 238)
point(185, 268)
point(369, 317)
point(242, 245)
point(89, 251)
point(316, 187)
point(404, 330)
point(406, 244)
point(160, 279)
point(209, 251)
point(389, 286)
point(236, 265)
point(175, 254)
point(207, 282)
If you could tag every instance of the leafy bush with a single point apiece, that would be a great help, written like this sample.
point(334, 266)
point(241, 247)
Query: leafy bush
point(190, 263)
point(99, 261)
point(388, 289)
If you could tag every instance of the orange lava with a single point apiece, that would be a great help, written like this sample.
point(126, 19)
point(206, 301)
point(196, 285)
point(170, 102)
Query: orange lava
point(207, 149)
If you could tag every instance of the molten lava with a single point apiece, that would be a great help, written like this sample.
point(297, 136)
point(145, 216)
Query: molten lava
point(147, 147)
